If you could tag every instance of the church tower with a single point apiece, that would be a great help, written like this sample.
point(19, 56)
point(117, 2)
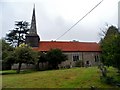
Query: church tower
point(32, 38)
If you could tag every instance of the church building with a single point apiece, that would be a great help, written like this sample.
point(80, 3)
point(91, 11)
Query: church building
point(87, 52)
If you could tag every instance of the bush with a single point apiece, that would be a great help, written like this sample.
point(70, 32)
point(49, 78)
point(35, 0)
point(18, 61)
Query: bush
point(55, 57)
point(79, 63)
point(108, 80)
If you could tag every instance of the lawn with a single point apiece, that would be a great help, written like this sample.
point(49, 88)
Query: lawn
point(66, 78)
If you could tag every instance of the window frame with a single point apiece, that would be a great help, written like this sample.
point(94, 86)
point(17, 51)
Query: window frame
point(75, 57)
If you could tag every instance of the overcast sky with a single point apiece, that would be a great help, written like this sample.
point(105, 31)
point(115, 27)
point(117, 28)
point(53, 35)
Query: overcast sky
point(54, 17)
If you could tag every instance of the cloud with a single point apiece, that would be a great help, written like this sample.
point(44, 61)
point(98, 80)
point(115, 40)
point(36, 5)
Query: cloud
point(54, 17)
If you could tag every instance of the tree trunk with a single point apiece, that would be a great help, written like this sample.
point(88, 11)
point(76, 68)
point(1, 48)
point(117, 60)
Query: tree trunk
point(103, 71)
point(19, 67)
point(37, 66)
point(42, 65)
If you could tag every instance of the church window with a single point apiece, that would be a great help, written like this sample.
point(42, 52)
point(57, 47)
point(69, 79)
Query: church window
point(87, 62)
point(96, 58)
point(75, 57)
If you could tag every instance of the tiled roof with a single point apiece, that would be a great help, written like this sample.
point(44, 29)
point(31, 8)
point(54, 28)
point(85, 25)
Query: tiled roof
point(68, 46)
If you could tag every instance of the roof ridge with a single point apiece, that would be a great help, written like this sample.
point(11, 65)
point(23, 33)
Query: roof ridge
point(68, 42)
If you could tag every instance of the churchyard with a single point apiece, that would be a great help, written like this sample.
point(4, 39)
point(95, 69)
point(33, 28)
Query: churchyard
point(65, 78)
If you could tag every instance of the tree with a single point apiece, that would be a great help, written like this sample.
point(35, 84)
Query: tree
point(7, 55)
point(116, 53)
point(24, 54)
point(42, 59)
point(55, 57)
point(110, 46)
point(17, 35)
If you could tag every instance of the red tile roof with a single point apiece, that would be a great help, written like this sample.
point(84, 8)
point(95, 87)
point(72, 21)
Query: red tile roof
point(68, 46)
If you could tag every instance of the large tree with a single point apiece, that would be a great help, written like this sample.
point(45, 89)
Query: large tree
point(116, 52)
point(55, 57)
point(110, 46)
point(17, 36)
point(7, 55)
point(24, 54)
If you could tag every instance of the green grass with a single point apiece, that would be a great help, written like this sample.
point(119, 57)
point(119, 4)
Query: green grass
point(7, 72)
point(66, 78)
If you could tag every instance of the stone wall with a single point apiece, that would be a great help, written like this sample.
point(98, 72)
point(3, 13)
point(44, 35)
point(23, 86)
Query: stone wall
point(23, 67)
point(88, 59)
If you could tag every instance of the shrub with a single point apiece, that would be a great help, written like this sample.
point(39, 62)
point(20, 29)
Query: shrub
point(108, 80)
point(79, 63)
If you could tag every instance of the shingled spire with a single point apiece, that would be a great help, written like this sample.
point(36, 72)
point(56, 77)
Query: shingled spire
point(33, 23)
point(32, 39)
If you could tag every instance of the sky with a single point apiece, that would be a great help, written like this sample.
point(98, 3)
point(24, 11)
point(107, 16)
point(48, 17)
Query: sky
point(54, 17)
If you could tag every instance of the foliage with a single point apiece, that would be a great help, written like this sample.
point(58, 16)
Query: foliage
point(55, 57)
point(7, 55)
point(112, 78)
point(116, 53)
point(110, 47)
point(79, 63)
point(108, 80)
point(103, 70)
point(52, 57)
point(17, 35)
point(42, 59)
point(24, 54)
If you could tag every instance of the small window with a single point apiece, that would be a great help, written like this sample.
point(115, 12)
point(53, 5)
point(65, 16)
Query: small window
point(87, 62)
point(96, 58)
point(75, 57)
